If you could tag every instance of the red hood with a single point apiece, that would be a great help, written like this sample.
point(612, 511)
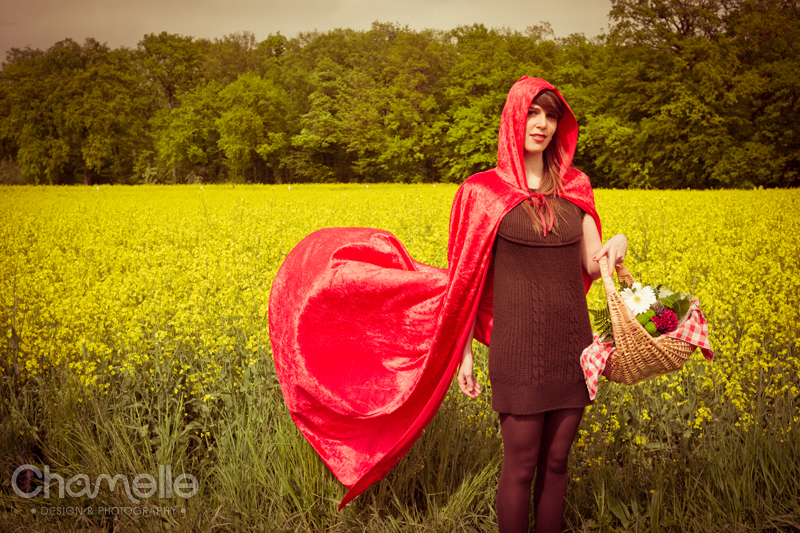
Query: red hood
point(511, 143)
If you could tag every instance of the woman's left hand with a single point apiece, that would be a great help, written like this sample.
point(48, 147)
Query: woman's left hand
point(615, 249)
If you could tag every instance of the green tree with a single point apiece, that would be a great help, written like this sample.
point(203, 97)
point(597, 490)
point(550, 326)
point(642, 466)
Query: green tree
point(697, 94)
point(251, 127)
point(666, 23)
point(765, 111)
point(186, 137)
point(388, 108)
point(318, 155)
point(488, 63)
point(679, 93)
point(171, 64)
point(314, 68)
point(73, 109)
point(224, 60)
point(414, 74)
point(373, 102)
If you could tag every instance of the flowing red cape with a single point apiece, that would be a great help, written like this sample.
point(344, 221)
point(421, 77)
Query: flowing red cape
point(366, 340)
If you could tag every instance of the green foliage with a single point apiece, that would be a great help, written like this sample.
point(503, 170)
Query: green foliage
point(171, 65)
point(186, 137)
point(74, 110)
point(601, 321)
point(250, 124)
point(679, 303)
point(678, 94)
point(681, 306)
point(691, 94)
point(224, 60)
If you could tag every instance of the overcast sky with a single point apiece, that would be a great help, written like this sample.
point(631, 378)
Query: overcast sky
point(41, 23)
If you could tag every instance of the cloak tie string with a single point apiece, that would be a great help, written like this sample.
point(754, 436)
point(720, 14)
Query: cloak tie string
point(538, 200)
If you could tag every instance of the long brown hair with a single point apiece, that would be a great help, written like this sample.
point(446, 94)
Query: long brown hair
point(550, 183)
point(551, 180)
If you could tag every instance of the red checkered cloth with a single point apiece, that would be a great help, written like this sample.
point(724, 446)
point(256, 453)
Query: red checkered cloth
point(694, 330)
point(593, 361)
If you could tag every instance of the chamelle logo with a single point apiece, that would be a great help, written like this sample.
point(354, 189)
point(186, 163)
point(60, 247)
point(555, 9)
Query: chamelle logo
point(142, 486)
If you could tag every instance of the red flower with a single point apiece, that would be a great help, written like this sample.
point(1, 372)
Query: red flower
point(665, 322)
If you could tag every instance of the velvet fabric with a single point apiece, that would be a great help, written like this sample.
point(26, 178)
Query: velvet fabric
point(366, 340)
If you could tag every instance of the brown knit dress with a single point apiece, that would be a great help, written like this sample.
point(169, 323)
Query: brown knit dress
point(541, 321)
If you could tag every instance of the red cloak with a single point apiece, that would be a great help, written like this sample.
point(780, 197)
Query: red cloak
point(366, 340)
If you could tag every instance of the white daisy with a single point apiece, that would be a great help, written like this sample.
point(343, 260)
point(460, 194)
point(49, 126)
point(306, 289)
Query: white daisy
point(638, 298)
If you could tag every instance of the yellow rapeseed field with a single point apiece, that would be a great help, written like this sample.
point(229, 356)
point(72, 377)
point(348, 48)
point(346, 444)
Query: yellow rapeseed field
point(116, 285)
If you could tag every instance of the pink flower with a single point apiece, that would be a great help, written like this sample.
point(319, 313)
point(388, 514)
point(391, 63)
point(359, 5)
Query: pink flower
point(665, 322)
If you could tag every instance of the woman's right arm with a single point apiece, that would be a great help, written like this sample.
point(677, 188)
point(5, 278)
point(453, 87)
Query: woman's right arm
point(466, 382)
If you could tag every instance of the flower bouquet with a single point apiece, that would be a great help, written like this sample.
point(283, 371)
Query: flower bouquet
point(658, 310)
point(644, 332)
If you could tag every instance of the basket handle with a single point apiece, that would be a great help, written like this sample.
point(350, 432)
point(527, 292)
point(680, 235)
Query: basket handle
point(622, 272)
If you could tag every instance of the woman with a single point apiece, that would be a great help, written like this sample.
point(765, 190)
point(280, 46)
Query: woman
point(544, 249)
point(366, 340)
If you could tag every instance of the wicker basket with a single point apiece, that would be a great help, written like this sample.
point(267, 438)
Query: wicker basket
point(638, 355)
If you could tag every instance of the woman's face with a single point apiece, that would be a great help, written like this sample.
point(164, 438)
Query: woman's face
point(539, 129)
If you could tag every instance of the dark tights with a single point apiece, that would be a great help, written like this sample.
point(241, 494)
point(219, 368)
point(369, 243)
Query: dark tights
point(535, 443)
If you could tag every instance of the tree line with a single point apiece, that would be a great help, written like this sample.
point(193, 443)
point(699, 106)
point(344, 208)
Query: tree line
point(677, 94)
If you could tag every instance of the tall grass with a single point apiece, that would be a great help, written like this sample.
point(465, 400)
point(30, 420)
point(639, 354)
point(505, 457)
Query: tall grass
point(258, 473)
